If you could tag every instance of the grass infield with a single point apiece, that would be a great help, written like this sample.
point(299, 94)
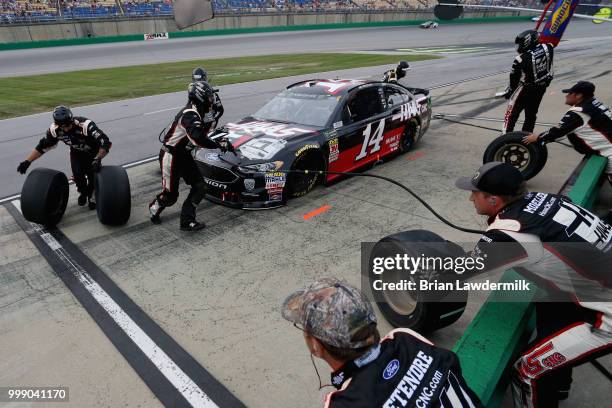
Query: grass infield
point(40, 93)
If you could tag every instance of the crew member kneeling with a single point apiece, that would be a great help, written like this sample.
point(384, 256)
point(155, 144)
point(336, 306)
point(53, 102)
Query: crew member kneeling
point(564, 249)
point(403, 369)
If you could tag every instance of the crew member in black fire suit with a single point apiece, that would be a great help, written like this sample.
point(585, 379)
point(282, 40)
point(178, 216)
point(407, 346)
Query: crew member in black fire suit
point(587, 124)
point(88, 146)
point(200, 74)
point(404, 369)
point(531, 73)
point(564, 249)
point(189, 130)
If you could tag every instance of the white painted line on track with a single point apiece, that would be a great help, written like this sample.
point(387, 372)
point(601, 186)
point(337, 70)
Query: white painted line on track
point(173, 373)
point(161, 110)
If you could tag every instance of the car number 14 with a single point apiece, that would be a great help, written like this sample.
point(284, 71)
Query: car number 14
point(372, 140)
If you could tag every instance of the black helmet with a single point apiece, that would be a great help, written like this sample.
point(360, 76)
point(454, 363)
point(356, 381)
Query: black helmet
point(62, 116)
point(527, 40)
point(199, 74)
point(401, 69)
point(200, 93)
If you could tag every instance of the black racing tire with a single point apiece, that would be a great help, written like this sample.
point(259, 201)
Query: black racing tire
point(509, 148)
point(400, 308)
point(410, 137)
point(299, 184)
point(44, 196)
point(113, 196)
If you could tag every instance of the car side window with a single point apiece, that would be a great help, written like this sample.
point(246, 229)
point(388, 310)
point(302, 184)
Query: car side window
point(363, 104)
point(394, 97)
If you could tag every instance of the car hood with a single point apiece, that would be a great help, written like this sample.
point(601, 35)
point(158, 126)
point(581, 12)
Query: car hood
point(258, 141)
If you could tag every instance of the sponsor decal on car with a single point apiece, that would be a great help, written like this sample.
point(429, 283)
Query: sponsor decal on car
point(275, 180)
point(334, 150)
point(337, 125)
point(306, 147)
point(330, 134)
point(249, 184)
point(269, 129)
point(393, 142)
point(215, 184)
point(275, 194)
point(262, 148)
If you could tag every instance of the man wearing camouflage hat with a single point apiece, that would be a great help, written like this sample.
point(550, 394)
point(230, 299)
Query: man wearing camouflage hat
point(402, 370)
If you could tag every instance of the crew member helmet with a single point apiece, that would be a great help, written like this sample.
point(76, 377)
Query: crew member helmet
point(527, 40)
point(199, 74)
point(62, 115)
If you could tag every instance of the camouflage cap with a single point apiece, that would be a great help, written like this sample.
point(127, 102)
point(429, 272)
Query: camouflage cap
point(332, 311)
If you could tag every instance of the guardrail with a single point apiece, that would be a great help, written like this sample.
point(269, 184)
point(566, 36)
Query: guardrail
point(501, 329)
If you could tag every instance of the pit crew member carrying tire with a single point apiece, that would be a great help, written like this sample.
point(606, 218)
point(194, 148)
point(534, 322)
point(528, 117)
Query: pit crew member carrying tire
point(531, 73)
point(200, 74)
point(558, 245)
point(189, 128)
point(88, 146)
point(587, 124)
point(403, 369)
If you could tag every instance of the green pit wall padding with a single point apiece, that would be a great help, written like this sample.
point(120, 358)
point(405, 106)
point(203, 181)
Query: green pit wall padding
point(501, 329)
point(201, 33)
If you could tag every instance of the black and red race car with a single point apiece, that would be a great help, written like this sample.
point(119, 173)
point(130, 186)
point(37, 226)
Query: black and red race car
point(319, 124)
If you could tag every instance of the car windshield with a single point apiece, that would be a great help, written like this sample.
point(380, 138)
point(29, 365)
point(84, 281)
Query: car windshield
point(300, 108)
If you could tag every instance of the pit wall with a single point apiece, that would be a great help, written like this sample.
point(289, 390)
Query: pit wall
point(91, 32)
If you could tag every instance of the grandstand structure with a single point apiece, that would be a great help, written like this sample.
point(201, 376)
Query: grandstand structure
point(42, 11)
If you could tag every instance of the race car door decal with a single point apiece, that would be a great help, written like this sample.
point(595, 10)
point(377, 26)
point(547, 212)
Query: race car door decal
point(371, 141)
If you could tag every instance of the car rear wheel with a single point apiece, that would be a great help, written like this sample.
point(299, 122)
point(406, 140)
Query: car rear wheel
point(300, 183)
point(410, 137)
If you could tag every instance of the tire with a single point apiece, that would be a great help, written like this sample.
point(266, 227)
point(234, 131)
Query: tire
point(44, 196)
point(299, 185)
point(113, 197)
point(400, 308)
point(509, 148)
point(411, 136)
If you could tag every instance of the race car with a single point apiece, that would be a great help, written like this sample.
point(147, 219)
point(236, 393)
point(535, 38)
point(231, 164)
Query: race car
point(336, 125)
point(429, 24)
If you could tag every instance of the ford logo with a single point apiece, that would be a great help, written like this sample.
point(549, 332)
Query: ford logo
point(391, 369)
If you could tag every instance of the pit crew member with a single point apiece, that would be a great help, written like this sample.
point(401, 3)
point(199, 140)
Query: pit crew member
point(587, 124)
point(88, 146)
point(531, 73)
point(561, 247)
point(403, 369)
point(200, 74)
point(188, 130)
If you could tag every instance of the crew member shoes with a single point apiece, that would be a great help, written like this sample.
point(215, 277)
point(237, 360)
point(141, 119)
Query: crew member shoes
point(193, 226)
point(82, 200)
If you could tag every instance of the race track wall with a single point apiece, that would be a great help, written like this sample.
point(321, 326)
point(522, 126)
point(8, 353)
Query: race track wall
point(136, 28)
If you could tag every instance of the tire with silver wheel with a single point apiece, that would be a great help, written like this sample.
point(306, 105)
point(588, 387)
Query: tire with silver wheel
point(509, 148)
